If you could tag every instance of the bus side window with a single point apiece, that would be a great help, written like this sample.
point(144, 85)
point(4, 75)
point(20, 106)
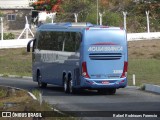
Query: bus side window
point(56, 41)
point(65, 38)
point(47, 44)
point(72, 41)
point(41, 40)
point(53, 38)
point(78, 39)
point(60, 41)
point(69, 43)
point(34, 45)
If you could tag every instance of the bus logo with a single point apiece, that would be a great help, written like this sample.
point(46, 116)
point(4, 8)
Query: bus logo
point(101, 49)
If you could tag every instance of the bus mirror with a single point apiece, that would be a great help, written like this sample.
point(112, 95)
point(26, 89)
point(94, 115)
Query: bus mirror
point(29, 45)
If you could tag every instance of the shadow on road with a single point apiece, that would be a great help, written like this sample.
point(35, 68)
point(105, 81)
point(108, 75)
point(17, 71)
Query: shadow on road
point(58, 91)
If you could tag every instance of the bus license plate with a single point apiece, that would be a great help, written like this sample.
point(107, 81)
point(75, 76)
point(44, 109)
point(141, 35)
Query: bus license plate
point(105, 82)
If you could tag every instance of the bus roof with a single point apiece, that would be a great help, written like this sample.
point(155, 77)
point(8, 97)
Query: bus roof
point(80, 26)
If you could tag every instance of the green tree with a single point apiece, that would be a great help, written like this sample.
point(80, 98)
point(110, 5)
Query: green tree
point(1, 14)
point(82, 7)
point(112, 13)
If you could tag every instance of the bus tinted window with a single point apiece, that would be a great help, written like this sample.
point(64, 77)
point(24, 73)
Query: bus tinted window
point(70, 42)
point(78, 41)
point(73, 42)
point(50, 41)
point(41, 40)
point(59, 41)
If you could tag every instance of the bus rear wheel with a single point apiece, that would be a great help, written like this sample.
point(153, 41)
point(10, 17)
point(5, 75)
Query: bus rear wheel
point(66, 86)
point(71, 88)
point(39, 80)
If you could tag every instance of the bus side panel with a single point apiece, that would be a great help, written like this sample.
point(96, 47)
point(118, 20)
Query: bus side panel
point(52, 65)
point(56, 53)
point(36, 64)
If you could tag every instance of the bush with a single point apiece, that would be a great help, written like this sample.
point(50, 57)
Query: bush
point(7, 36)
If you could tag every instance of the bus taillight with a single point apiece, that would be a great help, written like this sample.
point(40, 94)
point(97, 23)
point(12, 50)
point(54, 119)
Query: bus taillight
point(84, 70)
point(124, 74)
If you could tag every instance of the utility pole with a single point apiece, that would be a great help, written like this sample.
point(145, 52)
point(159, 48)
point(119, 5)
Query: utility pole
point(125, 24)
point(148, 28)
point(100, 20)
point(26, 26)
point(53, 16)
point(76, 17)
point(1, 28)
point(97, 11)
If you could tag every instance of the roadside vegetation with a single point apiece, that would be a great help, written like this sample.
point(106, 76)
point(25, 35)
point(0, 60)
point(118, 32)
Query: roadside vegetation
point(8, 36)
point(15, 62)
point(144, 62)
point(19, 100)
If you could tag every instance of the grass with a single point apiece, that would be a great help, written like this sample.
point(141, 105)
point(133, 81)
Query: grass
point(15, 62)
point(21, 101)
point(144, 62)
point(36, 93)
point(7, 95)
point(2, 93)
point(145, 70)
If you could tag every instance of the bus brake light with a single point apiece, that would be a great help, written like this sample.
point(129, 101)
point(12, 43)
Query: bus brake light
point(84, 70)
point(87, 28)
point(124, 74)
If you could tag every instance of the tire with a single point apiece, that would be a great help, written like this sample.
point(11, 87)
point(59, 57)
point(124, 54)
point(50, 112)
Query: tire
point(39, 80)
point(71, 89)
point(66, 86)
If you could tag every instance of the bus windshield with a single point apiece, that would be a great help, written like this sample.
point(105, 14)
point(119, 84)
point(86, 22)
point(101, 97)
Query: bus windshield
point(105, 36)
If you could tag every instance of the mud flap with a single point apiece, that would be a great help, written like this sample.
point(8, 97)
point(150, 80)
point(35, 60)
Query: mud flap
point(76, 77)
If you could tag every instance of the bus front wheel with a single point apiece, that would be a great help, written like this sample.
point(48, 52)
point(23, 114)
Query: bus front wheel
point(39, 80)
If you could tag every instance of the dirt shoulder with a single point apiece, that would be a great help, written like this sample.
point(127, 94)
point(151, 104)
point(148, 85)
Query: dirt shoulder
point(144, 49)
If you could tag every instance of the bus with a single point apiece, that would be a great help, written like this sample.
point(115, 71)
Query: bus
point(80, 56)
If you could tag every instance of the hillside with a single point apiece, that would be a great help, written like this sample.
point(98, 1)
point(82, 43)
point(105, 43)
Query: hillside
point(144, 60)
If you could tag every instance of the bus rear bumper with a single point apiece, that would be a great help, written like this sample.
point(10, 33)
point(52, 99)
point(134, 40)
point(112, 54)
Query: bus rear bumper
point(101, 84)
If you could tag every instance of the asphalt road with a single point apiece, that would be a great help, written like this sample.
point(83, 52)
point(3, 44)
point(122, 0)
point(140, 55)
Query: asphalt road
point(126, 99)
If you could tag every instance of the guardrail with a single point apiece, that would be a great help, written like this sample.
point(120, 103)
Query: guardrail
point(143, 36)
point(14, 43)
point(130, 37)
